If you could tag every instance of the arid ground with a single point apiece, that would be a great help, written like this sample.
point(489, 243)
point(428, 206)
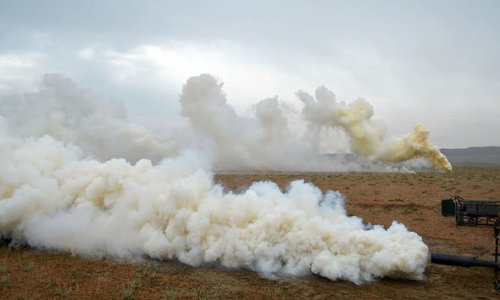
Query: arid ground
point(379, 198)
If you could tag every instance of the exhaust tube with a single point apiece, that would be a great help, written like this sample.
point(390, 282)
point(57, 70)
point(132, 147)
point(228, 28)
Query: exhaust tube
point(461, 261)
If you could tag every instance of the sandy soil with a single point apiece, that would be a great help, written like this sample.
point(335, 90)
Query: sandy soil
point(412, 199)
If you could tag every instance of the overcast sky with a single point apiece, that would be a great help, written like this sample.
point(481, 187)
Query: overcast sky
point(430, 62)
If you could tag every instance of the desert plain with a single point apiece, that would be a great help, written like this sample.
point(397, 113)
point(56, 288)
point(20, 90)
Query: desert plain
point(378, 198)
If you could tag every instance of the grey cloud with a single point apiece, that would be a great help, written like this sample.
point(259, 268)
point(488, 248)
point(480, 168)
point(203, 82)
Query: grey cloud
point(411, 54)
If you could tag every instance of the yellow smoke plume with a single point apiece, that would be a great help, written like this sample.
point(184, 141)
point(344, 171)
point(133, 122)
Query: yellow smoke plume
point(369, 138)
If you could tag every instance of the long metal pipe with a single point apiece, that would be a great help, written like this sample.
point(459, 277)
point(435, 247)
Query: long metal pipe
point(462, 261)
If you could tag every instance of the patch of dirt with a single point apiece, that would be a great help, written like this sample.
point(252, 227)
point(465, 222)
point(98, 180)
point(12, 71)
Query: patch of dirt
point(378, 198)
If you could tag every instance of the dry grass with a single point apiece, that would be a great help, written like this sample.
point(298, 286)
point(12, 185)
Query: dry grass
point(413, 199)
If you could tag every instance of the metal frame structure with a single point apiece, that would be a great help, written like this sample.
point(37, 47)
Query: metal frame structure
point(469, 261)
point(476, 212)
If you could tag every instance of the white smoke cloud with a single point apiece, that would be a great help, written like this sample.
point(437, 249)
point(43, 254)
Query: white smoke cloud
point(274, 139)
point(267, 143)
point(72, 114)
point(53, 196)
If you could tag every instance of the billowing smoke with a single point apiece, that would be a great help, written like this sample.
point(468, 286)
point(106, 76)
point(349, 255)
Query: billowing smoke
point(267, 143)
point(75, 115)
point(274, 139)
point(53, 196)
point(367, 137)
point(76, 175)
point(243, 143)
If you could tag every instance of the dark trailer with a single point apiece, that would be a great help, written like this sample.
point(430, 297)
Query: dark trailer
point(471, 212)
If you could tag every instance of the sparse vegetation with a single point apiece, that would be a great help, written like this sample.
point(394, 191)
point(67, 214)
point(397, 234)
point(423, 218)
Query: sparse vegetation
point(129, 290)
point(378, 198)
point(481, 249)
point(63, 293)
point(28, 266)
point(171, 293)
point(411, 208)
point(5, 281)
point(396, 200)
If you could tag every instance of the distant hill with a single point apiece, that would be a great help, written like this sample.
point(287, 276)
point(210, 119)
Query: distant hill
point(473, 156)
